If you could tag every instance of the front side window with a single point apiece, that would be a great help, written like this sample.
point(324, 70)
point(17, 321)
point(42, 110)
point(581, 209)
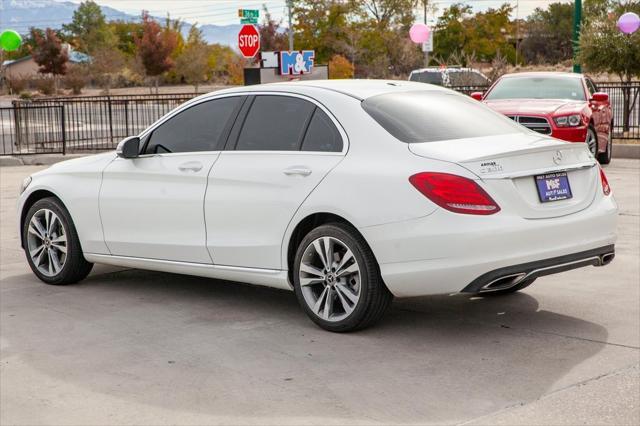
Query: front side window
point(537, 88)
point(429, 116)
point(198, 128)
point(275, 123)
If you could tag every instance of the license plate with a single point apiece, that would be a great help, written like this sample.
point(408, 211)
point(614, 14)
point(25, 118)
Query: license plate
point(553, 187)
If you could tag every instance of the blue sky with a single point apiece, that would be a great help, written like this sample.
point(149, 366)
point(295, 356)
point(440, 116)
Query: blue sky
point(223, 12)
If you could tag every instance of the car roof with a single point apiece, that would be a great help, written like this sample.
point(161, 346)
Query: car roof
point(448, 69)
point(356, 88)
point(543, 74)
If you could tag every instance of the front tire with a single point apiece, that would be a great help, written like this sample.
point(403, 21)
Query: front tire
point(337, 280)
point(51, 244)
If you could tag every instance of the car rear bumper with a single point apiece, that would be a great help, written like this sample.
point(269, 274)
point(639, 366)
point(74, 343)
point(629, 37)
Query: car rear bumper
point(445, 252)
point(510, 276)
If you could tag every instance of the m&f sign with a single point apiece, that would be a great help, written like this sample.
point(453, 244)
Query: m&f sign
point(296, 62)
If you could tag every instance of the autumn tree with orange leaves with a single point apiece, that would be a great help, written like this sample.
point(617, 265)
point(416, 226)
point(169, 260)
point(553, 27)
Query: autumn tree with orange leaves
point(155, 46)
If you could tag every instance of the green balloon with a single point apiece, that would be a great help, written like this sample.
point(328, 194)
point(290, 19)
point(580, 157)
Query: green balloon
point(10, 40)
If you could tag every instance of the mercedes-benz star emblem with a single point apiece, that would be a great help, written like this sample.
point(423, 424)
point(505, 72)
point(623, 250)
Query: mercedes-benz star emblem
point(557, 157)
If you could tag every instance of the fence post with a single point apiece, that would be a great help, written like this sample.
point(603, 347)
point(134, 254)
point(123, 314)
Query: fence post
point(64, 131)
point(126, 118)
point(17, 143)
point(110, 119)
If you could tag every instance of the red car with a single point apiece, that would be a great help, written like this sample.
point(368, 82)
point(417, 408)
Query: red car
point(563, 105)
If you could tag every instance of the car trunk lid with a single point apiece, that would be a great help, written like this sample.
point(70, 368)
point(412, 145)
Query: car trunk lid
point(508, 166)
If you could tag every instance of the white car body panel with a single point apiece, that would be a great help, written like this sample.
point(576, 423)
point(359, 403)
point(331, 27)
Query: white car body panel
point(251, 199)
point(234, 217)
point(164, 217)
point(77, 183)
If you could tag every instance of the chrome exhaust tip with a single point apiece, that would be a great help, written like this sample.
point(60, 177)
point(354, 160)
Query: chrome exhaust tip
point(605, 259)
point(503, 282)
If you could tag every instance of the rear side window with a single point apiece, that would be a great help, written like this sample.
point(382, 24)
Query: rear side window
point(322, 134)
point(198, 128)
point(428, 116)
point(275, 123)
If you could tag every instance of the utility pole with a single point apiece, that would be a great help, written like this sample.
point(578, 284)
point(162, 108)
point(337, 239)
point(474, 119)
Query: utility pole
point(426, 53)
point(577, 21)
point(517, 29)
point(290, 5)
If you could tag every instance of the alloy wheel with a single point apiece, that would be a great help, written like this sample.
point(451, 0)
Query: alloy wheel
point(47, 242)
point(330, 279)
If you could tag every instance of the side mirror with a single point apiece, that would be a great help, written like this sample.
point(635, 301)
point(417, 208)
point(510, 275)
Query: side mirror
point(477, 96)
point(600, 97)
point(129, 147)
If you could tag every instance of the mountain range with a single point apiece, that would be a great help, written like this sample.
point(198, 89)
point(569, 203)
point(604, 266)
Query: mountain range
point(20, 15)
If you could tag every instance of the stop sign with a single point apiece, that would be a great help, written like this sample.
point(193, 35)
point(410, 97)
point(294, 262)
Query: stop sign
point(249, 41)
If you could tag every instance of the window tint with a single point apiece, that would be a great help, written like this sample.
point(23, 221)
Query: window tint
point(431, 77)
point(591, 87)
point(538, 88)
point(275, 123)
point(198, 128)
point(427, 116)
point(322, 134)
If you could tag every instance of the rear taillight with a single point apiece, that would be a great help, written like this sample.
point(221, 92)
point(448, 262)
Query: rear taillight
point(454, 193)
point(605, 183)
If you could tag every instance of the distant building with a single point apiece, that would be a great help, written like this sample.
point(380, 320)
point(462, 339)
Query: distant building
point(26, 67)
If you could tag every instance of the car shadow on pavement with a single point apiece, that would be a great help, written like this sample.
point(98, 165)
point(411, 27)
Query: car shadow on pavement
point(249, 354)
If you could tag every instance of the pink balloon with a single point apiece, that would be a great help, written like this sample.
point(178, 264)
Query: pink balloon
point(629, 23)
point(419, 33)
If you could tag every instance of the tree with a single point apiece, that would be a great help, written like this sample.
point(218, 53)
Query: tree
point(271, 37)
point(549, 34)
point(126, 34)
point(340, 67)
point(484, 34)
point(603, 48)
point(89, 28)
point(193, 62)
point(105, 64)
point(154, 48)
point(49, 54)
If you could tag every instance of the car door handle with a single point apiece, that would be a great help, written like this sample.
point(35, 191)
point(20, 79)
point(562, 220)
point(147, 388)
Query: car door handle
point(302, 171)
point(190, 166)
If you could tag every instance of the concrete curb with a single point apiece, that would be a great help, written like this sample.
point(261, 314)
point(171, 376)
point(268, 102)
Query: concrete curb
point(619, 151)
point(626, 151)
point(36, 159)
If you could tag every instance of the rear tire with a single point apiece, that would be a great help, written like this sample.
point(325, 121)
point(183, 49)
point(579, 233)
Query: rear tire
point(510, 290)
point(337, 280)
point(51, 244)
point(605, 157)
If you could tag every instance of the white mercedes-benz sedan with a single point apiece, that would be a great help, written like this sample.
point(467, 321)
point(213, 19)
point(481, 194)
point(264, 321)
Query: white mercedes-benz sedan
point(346, 192)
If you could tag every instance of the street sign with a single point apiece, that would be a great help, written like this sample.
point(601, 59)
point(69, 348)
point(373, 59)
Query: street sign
point(252, 21)
point(249, 41)
point(249, 13)
point(427, 46)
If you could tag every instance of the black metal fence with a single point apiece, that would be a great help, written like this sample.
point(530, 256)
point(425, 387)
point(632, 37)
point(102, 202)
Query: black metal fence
point(93, 123)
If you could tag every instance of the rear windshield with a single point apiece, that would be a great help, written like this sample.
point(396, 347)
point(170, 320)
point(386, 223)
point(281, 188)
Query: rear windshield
point(429, 116)
point(537, 88)
point(430, 77)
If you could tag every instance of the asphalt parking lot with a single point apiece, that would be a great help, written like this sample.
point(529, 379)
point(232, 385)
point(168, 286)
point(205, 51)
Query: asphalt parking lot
point(138, 347)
